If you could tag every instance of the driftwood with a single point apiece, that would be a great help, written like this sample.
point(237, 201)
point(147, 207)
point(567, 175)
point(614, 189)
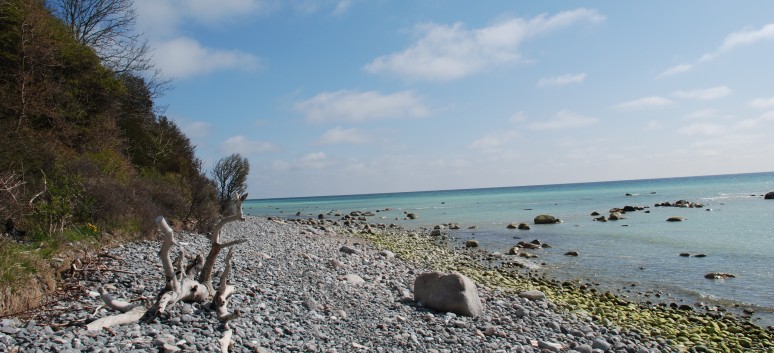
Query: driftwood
point(184, 282)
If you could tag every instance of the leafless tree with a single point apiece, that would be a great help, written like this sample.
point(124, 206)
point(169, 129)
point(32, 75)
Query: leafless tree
point(230, 174)
point(108, 27)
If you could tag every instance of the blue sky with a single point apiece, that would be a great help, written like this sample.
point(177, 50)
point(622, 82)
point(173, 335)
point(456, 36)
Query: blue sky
point(358, 96)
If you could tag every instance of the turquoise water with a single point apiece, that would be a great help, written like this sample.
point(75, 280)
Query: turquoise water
point(735, 229)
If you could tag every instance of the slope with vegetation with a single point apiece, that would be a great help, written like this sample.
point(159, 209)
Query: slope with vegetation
point(85, 160)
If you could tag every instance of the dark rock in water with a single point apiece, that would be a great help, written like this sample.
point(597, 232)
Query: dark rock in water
point(435, 233)
point(546, 219)
point(512, 226)
point(514, 250)
point(320, 216)
point(685, 254)
point(601, 219)
point(473, 227)
point(699, 255)
point(675, 219)
point(411, 215)
point(595, 213)
point(451, 293)
point(471, 244)
point(718, 275)
point(615, 216)
point(629, 209)
point(524, 226)
point(454, 226)
point(628, 194)
point(298, 214)
point(571, 253)
point(769, 196)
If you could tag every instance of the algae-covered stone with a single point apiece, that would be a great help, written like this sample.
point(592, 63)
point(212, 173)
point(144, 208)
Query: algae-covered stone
point(546, 219)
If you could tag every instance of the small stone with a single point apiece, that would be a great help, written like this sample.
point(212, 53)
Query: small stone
point(550, 346)
point(600, 344)
point(349, 250)
point(533, 295)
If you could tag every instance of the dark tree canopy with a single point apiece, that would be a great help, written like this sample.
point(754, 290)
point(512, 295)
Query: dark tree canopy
point(230, 175)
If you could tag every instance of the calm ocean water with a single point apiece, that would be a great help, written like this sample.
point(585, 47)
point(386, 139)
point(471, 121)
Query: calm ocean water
point(735, 229)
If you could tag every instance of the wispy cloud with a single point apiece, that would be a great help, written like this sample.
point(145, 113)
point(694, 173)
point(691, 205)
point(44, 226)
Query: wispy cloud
point(185, 57)
point(518, 117)
point(708, 129)
point(562, 80)
point(342, 135)
point(702, 114)
point(747, 36)
point(355, 106)
point(762, 103)
point(242, 145)
point(495, 141)
point(674, 70)
point(703, 94)
point(564, 119)
point(645, 102)
point(447, 52)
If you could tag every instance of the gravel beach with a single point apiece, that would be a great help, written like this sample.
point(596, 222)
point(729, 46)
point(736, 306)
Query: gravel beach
point(316, 287)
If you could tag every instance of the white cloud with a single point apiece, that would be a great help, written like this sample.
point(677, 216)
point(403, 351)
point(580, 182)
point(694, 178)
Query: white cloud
point(762, 103)
point(316, 160)
point(494, 141)
point(564, 120)
point(243, 145)
point(355, 106)
point(704, 94)
point(184, 57)
point(747, 37)
point(654, 125)
point(674, 70)
point(447, 52)
point(703, 129)
point(646, 102)
point(562, 80)
point(342, 135)
point(518, 117)
point(197, 129)
point(736, 39)
point(702, 114)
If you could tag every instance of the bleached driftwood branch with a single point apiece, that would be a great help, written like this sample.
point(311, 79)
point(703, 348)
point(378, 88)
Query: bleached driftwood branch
point(188, 283)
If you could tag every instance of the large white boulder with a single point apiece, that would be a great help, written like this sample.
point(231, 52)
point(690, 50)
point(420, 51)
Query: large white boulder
point(452, 293)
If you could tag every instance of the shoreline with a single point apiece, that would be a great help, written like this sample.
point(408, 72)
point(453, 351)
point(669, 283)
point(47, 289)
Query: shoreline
point(293, 285)
point(688, 328)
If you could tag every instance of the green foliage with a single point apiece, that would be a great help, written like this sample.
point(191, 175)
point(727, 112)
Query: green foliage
point(230, 174)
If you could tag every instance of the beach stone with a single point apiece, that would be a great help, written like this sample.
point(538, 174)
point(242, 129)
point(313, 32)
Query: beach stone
point(349, 250)
point(571, 253)
point(601, 345)
point(769, 196)
point(411, 215)
point(471, 244)
point(675, 219)
point(512, 226)
point(545, 219)
point(524, 226)
point(550, 346)
point(448, 292)
point(595, 213)
point(718, 275)
point(386, 253)
point(533, 295)
point(614, 216)
point(352, 279)
point(584, 348)
point(435, 233)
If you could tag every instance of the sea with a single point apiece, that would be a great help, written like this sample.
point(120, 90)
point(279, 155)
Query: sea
point(638, 256)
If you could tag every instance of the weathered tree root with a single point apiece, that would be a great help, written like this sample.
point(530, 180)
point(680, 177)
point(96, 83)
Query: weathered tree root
point(184, 282)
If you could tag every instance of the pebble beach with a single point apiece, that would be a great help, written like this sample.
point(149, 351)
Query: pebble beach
point(312, 286)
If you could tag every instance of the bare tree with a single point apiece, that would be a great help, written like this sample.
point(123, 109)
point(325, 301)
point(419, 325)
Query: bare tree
point(230, 174)
point(107, 26)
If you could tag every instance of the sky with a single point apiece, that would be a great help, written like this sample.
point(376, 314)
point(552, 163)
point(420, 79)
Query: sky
point(334, 97)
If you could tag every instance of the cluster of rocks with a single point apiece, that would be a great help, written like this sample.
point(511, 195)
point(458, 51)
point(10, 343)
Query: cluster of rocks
point(305, 288)
point(680, 204)
point(616, 214)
